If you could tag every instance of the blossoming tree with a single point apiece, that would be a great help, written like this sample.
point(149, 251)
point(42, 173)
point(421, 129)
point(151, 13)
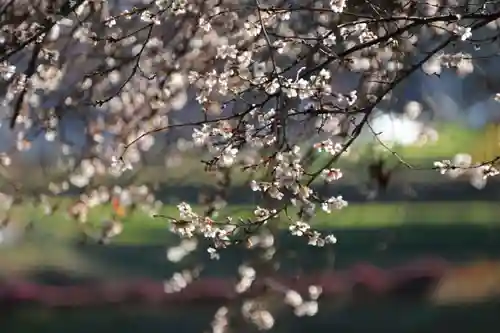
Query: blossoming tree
point(261, 85)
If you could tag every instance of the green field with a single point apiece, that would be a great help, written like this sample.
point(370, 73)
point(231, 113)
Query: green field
point(143, 229)
point(363, 232)
point(386, 317)
point(381, 234)
point(452, 139)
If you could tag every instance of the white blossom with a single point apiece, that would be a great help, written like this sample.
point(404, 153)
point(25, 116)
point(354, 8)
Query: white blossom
point(464, 32)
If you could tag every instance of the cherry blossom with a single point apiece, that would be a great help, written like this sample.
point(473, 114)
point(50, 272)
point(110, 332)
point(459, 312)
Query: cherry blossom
point(249, 89)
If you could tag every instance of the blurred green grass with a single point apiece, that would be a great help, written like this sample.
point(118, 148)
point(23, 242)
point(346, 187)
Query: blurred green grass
point(385, 316)
point(452, 139)
point(383, 234)
point(141, 228)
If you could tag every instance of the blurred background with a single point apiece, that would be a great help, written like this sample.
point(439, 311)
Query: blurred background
point(420, 213)
point(396, 215)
